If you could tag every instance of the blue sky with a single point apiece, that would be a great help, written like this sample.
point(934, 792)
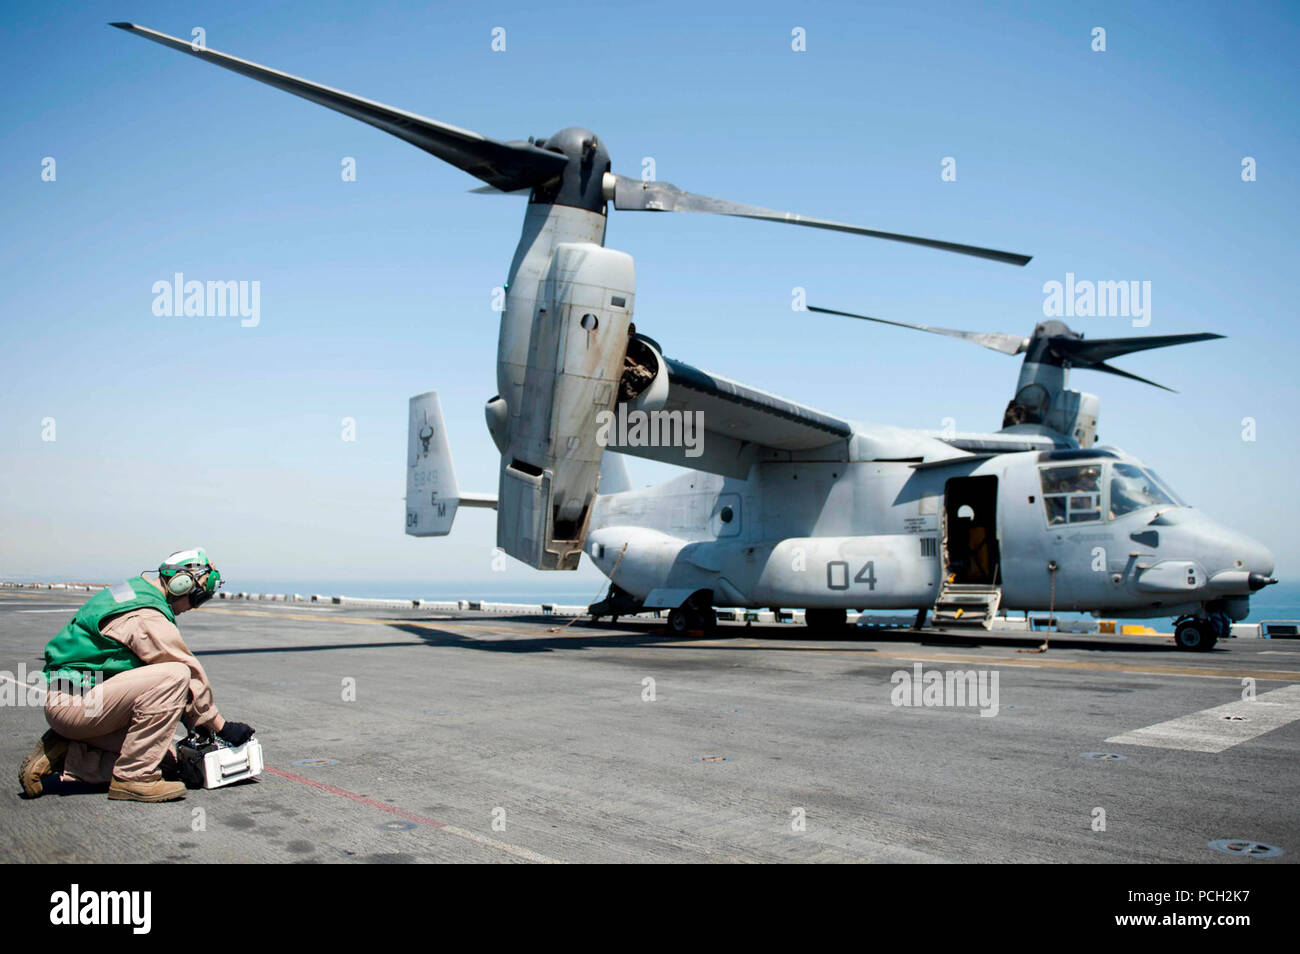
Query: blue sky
point(1122, 165)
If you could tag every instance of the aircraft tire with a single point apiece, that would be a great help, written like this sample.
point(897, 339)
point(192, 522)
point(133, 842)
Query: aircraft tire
point(1195, 635)
point(684, 619)
point(827, 620)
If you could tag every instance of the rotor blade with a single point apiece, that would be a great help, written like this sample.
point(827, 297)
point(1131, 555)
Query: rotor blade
point(995, 340)
point(637, 196)
point(1103, 366)
point(1081, 350)
point(505, 165)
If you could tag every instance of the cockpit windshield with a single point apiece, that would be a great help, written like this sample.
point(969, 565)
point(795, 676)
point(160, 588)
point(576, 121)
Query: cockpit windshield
point(1074, 493)
point(1132, 488)
point(1164, 485)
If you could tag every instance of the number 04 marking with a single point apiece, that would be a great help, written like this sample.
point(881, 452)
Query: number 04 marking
point(837, 575)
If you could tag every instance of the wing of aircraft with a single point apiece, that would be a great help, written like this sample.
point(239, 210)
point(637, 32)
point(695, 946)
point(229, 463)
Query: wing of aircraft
point(724, 426)
point(751, 415)
point(738, 422)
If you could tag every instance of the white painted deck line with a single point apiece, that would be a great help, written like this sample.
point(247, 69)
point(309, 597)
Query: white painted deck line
point(1220, 728)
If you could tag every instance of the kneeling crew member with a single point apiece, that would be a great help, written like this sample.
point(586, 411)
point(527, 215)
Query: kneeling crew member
point(120, 678)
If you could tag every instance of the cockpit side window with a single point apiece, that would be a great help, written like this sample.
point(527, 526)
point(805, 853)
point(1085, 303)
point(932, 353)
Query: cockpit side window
point(1132, 488)
point(1072, 494)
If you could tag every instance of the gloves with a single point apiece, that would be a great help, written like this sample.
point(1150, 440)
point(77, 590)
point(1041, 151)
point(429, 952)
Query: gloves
point(236, 733)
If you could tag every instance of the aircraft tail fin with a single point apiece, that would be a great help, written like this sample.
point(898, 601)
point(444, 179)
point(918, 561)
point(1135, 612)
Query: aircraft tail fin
point(432, 495)
point(613, 474)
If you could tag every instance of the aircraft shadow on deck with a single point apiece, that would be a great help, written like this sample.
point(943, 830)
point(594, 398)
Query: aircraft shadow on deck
point(634, 634)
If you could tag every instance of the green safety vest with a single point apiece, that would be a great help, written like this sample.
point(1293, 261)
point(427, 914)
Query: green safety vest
point(81, 648)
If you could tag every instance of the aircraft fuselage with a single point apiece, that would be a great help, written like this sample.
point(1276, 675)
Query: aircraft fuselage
point(1051, 528)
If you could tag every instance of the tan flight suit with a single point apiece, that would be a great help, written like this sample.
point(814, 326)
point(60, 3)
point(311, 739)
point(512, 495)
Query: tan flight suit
point(122, 728)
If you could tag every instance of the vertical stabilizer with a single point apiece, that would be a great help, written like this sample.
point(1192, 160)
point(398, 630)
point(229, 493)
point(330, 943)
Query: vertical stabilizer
point(431, 492)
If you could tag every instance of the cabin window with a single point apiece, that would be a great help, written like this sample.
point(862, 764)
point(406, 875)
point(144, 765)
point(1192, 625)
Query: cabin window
point(1072, 494)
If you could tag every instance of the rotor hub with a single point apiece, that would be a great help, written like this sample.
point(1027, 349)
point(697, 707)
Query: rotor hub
point(581, 184)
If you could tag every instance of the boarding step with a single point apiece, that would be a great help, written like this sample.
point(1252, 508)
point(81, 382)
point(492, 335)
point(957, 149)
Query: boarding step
point(967, 604)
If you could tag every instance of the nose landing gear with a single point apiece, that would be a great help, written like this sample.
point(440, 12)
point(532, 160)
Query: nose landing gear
point(1200, 634)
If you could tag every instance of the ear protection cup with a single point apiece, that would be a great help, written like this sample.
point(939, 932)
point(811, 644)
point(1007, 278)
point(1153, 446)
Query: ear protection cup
point(181, 583)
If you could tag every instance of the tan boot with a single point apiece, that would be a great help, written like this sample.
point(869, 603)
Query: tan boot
point(45, 759)
point(155, 791)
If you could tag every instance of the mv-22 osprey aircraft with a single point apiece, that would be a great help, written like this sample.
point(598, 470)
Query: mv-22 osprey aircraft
point(785, 506)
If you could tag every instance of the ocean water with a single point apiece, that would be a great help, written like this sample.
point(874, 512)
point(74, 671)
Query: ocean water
point(1280, 601)
point(565, 591)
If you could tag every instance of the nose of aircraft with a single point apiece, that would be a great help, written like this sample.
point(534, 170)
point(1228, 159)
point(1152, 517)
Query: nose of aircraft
point(1225, 553)
point(1233, 550)
point(1259, 563)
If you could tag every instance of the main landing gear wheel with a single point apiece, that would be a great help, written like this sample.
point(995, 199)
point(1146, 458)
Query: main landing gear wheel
point(826, 620)
point(684, 619)
point(1195, 634)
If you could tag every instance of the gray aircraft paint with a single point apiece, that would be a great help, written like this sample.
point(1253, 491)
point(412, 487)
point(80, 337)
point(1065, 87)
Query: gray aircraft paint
point(783, 493)
point(797, 522)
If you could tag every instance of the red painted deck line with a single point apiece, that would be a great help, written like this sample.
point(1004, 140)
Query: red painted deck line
point(359, 799)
